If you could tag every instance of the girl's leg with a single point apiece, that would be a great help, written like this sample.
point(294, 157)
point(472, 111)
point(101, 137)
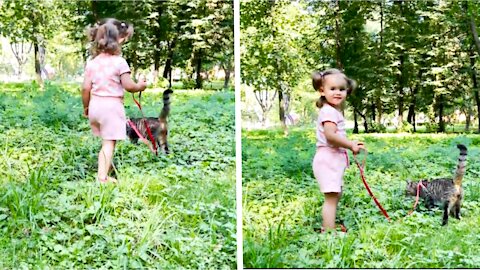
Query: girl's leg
point(105, 159)
point(329, 210)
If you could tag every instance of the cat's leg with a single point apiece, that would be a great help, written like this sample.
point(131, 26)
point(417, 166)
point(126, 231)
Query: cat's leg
point(446, 210)
point(429, 203)
point(457, 207)
point(167, 151)
point(162, 141)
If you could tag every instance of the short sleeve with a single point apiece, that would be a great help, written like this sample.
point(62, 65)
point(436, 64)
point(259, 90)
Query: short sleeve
point(123, 66)
point(328, 114)
point(88, 69)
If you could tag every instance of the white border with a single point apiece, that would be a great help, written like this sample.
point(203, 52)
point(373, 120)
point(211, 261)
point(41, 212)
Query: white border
point(238, 133)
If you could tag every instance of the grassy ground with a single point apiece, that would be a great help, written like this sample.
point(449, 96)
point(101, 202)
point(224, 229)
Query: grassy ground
point(170, 212)
point(282, 204)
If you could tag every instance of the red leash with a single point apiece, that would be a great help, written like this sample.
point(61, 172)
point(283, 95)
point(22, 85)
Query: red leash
point(149, 132)
point(420, 185)
point(360, 167)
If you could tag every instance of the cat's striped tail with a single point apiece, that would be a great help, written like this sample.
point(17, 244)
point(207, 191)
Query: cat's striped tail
point(460, 172)
point(166, 104)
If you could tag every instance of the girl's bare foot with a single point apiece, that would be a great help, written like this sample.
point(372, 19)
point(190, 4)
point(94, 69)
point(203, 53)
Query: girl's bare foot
point(107, 179)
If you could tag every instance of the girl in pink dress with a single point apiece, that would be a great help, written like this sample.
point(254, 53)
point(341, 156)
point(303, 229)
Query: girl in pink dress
point(331, 158)
point(107, 74)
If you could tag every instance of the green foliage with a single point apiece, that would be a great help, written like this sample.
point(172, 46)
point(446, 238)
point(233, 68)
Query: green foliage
point(406, 56)
point(167, 212)
point(161, 83)
point(28, 20)
point(405, 127)
point(282, 204)
point(272, 59)
point(188, 83)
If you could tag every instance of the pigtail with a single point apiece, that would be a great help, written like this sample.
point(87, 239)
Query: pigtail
point(317, 83)
point(352, 84)
point(105, 35)
point(125, 30)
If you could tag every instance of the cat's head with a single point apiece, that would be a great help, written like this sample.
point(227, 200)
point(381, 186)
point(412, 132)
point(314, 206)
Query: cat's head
point(411, 188)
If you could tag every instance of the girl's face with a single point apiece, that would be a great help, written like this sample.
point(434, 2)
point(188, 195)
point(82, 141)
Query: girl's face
point(334, 89)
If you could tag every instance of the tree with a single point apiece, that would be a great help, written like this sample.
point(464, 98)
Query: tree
point(272, 59)
point(30, 21)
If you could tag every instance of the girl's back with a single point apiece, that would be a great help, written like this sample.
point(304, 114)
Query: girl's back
point(105, 70)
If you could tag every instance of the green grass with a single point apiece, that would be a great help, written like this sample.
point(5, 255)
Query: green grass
point(282, 204)
point(167, 212)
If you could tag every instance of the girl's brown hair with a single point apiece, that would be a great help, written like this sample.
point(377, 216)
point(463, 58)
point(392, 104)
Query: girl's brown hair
point(318, 79)
point(104, 36)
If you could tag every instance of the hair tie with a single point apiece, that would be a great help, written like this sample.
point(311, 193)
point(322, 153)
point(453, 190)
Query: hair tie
point(123, 24)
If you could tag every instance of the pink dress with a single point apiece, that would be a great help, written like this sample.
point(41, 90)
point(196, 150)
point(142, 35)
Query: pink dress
point(330, 162)
point(106, 111)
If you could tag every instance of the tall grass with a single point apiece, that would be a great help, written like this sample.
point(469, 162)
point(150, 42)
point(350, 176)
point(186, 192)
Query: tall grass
point(282, 204)
point(167, 212)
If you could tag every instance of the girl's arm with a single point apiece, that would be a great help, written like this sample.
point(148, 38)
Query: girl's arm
point(130, 85)
point(334, 139)
point(86, 88)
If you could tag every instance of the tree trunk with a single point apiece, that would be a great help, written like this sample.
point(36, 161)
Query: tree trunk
point(473, 28)
point(378, 100)
point(400, 89)
point(475, 86)
point(264, 118)
point(355, 122)
point(282, 110)
point(227, 78)
point(381, 25)
point(167, 72)
point(337, 35)
point(379, 110)
point(18, 50)
point(168, 63)
point(158, 40)
point(365, 122)
point(411, 108)
point(156, 64)
point(373, 109)
point(198, 69)
point(134, 64)
point(95, 10)
point(468, 118)
point(441, 123)
point(38, 68)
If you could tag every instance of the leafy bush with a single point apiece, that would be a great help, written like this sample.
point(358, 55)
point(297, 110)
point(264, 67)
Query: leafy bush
point(405, 127)
point(188, 83)
point(378, 128)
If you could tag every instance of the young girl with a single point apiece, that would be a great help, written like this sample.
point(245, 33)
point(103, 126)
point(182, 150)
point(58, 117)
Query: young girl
point(331, 159)
point(106, 77)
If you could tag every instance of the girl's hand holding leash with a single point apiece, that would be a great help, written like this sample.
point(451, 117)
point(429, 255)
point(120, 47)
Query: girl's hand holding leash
point(142, 84)
point(357, 146)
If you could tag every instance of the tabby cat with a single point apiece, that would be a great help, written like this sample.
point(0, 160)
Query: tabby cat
point(158, 126)
point(446, 192)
